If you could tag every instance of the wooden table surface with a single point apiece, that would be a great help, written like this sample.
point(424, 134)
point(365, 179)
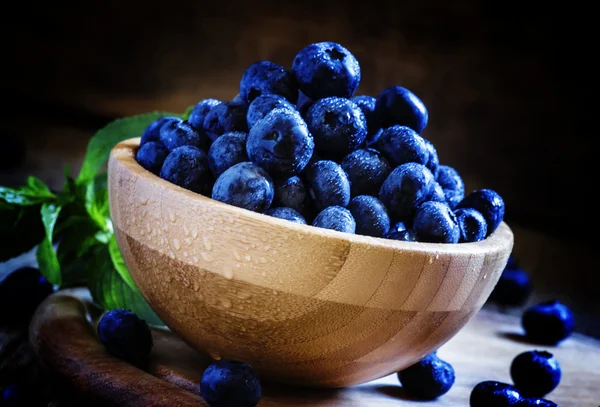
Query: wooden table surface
point(62, 334)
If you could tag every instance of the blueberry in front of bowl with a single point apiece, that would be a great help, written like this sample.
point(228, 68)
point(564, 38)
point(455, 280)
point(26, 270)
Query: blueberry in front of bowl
point(535, 373)
point(435, 222)
point(180, 133)
point(199, 112)
point(21, 291)
point(335, 218)
point(433, 162)
point(548, 323)
point(226, 151)
point(407, 187)
point(224, 118)
point(328, 184)
point(452, 184)
point(229, 383)
point(152, 132)
point(151, 156)
point(337, 124)
point(366, 170)
point(471, 224)
point(245, 185)
point(263, 105)
point(280, 143)
point(489, 203)
point(367, 105)
point(187, 167)
point(492, 393)
point(401, 144)
point(408, 235)
point(513, 288)
point(126, 336)
point(370, 215)
point(266, 77)
point(326, 69)
point(535, 402)
point(428, 379)
point(290, 214)
point(398, 105)
point(293, 193)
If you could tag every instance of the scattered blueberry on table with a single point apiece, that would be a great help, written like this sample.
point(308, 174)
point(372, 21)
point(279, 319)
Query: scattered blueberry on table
point(492, 393)
point(514, 287)
point(299, 137)
point(125, 336)
point(228, 383)
point(427, 379)
point(548, 323)
point(535, 373)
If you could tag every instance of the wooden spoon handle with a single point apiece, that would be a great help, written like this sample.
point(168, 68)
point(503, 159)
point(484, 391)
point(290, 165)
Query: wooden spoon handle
point(65, 342)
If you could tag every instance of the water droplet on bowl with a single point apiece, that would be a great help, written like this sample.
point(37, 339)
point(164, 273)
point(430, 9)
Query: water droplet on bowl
point(228, 272)
point(186, 231)
point(207, 243)
point(176, 244)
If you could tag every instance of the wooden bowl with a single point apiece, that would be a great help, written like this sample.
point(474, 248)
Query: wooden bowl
point(303, 305)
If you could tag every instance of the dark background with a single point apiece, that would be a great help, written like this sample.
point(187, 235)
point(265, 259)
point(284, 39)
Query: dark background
point(507, 84)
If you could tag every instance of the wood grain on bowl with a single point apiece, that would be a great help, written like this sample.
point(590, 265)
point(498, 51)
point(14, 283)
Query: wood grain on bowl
point(304, 305)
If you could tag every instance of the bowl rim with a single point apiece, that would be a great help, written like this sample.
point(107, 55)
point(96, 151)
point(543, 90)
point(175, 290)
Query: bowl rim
point(124, 152)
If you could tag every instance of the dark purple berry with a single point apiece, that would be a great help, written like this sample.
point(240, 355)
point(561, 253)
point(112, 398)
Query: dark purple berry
point(535, 373)
point(227, 383)
point(489, 203)
point(435, 222)
point(398, 105)
point(471, 224)
point(245, 185)
point(494, 394)
point(428, 379)
point(266, 77)
point(125, 336)
point(286, 213)
point(335, 218)
point(548, 323)
point(370, 215)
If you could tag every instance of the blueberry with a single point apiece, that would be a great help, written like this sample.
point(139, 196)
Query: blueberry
point(328, 184)
point(263, 105)
point(224, 118)
point(152, 132)
point(402, 235)
point(494, 394)
point(513, 288)
point(292, 193)
point(471, 224)
point(266, 77)
point(226, 151)
point(366, 170)
point(280, 143)
point(370, 215)
point(367, 106)
point(21, 291)
point(535, 402)
point(175, 134)
point(407, 187)
point(436, 223)
point(125, 336)
point(489, 203)
point(245, 185)
point(452, 184)
point(286, 213)
point(433, 162)
point(199, 112)
point(535, 373)
point(326, 69)
point(187, 167)
point(228, 383)
point(428, 379)
point(304, 103)
point(151, 156)
point(401, 144)
point(548, 322)
point(398, 105)
point(337, 124)
point(335, 218)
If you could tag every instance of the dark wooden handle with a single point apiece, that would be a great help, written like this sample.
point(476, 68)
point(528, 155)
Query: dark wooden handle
point(63, 338)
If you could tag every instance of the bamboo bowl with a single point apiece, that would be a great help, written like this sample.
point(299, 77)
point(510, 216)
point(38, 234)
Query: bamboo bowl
point(305, 306)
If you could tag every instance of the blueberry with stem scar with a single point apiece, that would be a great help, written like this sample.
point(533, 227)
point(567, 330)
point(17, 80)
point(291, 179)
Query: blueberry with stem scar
point(245, 185)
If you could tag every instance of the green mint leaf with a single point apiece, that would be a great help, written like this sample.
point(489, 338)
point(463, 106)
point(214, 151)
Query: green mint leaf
point(46, 256)
point(20, 229)
point(106, 138)
point(34, 192)
point(188, 111)
point(119, 263)
point(110, 291)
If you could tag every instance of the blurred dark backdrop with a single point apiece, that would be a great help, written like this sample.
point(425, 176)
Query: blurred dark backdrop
point(507, 85)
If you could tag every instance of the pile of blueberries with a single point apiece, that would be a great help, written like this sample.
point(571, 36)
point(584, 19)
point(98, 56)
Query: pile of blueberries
point(299, 145)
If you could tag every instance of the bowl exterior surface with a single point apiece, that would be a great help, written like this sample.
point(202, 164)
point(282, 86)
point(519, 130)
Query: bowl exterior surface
point(303, 305)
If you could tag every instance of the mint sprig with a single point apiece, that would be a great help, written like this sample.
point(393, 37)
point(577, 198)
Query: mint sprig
point(72, 228)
